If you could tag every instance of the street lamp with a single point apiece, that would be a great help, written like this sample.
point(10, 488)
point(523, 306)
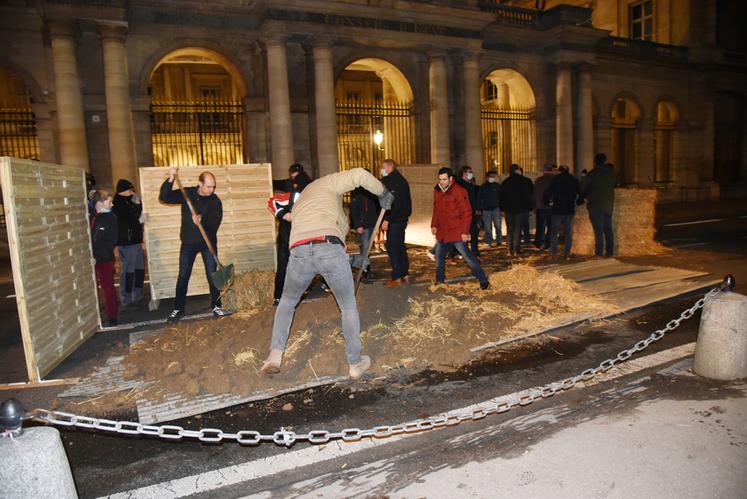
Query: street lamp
point(378, 138)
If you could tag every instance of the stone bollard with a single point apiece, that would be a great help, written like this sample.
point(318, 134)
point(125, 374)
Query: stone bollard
point(34, 464)
point(721, 349)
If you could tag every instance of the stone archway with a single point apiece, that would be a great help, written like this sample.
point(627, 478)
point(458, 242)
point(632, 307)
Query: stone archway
point(508, 121)
point(374, 115)
point(18, 133)
point(625, 115)
point(197, 111)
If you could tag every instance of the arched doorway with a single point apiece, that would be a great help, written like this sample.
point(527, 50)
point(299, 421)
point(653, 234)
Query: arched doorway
point(508, 121)
point(197, 111)
point(625, 115)
point(18, 137)
point(667, 117)
point(375, 121)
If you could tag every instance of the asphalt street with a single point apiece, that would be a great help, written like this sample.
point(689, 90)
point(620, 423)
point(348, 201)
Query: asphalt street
point(654, 431)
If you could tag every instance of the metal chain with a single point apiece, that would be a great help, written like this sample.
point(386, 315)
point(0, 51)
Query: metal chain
point(288, 438)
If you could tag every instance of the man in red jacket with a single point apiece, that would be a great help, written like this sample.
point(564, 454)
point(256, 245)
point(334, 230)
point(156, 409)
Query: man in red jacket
point(450, 223)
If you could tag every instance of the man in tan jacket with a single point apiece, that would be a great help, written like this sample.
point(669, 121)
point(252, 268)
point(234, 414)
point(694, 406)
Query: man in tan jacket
point(317, 246)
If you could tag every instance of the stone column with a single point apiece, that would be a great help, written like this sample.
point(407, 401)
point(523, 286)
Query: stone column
point(563, 117)
point(585, 151)
point(472, 120)
point(440, 150)
point(118, 108)
point(324, 98)
point(70, 119)
point(281, 125)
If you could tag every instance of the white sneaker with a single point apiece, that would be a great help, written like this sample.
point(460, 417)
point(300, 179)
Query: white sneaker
point(219, 312)
point(357, 370)
point(271, 366)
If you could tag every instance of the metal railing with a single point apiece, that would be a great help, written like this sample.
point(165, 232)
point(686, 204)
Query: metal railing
point(508, 136)
point(642, 49)
point(360, 124)
point(18, 134)
point(197, 133)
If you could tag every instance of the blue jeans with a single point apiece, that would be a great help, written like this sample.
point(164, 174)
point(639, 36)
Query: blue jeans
point(490, 219)
point(514, 224)
point(442, 249)
point(364, 239)
point(601, 222)
point(557, 221)
point(395, 248)
point(331, 261)
point(187, 255)
point(542, 228)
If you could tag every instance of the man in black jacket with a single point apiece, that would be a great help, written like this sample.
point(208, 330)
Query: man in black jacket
point(467, 181)
point(516, 202)
point(364, 211)
point(210, 213)
point(395, 222)
point(562, 195)
point(295, 183)
point(128, 210)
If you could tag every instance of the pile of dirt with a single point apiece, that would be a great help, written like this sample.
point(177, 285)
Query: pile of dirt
point(414, 327)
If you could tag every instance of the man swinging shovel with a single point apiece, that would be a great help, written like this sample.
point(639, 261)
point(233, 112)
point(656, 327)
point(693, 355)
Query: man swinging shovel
point(202, 213)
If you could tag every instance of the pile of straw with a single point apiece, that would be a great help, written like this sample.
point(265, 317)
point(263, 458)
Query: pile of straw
point(250, 292)
point(632, 223)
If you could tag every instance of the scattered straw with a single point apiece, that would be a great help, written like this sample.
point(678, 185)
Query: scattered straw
point(246, 357)
point(251, 291)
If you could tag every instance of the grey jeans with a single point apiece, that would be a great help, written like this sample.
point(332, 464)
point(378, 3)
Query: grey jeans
point(331, 261)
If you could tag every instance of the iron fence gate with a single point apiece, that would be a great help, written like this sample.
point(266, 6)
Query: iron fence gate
point(508, 136)
point(197, 133)
point(18, 134)
point(369, 132)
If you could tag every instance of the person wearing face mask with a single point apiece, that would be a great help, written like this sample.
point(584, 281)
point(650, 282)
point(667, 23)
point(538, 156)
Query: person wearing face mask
point(450, 223)
point(395, 222)
point(516, 202)
point(129, 210)
point(467, 182)
point(104, 234)
point(488, 201)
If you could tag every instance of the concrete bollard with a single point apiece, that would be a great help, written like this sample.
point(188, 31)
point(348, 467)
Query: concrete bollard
point(721, 349)
point(34, 464)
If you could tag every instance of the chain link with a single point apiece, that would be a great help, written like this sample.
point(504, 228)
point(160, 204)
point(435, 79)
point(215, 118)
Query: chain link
point(287, 438)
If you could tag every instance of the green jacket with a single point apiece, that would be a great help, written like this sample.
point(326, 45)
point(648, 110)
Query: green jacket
point(598, 187)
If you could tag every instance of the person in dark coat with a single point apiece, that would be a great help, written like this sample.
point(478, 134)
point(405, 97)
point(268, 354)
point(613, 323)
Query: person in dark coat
point(562, 195)
point(450, 223)
point(467, 181)
point(128, 209)
point(395, 222)
point(516, 202)
point(598, 188)
point(541, 209)
point(364, 211)
point(210, 214)
point(525, 221)
point(488, 201)
point(104, 233)
point(295, 183)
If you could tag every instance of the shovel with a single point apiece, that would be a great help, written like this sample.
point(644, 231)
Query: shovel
point(223, 276)
point(368, 250)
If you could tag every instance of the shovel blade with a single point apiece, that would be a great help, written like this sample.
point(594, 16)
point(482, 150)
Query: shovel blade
point(223, 276)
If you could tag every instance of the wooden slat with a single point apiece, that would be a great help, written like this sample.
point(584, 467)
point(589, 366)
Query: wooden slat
point(47, 222)
point(246, 236)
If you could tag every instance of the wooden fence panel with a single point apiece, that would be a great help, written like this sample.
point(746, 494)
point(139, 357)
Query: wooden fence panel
point(50, 250)
point(246, 236)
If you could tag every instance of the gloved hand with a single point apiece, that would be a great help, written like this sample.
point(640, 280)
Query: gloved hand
point(386, 199)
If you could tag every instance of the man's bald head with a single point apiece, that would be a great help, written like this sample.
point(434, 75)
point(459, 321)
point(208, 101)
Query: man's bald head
point(206, 184)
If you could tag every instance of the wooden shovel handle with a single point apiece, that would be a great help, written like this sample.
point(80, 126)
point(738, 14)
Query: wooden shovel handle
point(192, 209)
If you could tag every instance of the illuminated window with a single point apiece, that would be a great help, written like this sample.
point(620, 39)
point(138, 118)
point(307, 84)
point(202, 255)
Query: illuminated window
point(642, 21)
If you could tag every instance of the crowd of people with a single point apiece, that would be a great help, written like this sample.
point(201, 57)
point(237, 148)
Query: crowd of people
point(312, 230)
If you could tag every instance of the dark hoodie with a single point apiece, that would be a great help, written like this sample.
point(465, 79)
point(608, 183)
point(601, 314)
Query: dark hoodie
point(128, 216)
point(296, 186)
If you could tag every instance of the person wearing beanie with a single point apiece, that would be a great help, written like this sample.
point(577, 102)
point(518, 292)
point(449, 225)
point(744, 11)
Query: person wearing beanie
point(129, 211)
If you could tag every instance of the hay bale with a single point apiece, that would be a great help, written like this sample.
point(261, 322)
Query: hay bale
point(632, 221)
point(250, 292)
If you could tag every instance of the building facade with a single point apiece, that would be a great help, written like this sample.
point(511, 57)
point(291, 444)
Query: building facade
point(110, 85)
